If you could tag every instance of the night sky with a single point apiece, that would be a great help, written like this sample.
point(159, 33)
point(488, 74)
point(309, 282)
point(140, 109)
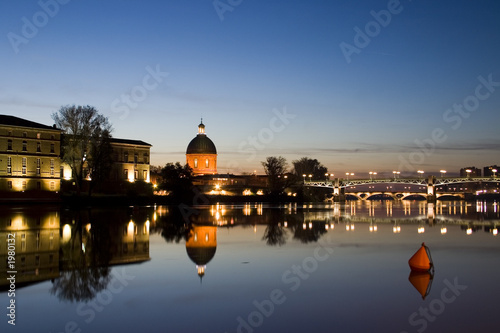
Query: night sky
point(359, 85)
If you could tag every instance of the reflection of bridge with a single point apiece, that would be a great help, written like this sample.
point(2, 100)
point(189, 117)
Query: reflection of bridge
point(340, 185)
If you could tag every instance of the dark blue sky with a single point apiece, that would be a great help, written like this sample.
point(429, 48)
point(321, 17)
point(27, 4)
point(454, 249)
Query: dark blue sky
point(268, 77)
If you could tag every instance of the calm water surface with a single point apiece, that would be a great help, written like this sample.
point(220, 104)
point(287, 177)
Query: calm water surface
point(252, 268)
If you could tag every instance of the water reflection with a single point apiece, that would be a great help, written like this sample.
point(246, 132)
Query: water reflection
point(73, 248)
point(422, 281)
point(37, 244)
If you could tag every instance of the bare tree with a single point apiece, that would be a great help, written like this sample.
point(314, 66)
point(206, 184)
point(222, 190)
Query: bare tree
point(86, 136)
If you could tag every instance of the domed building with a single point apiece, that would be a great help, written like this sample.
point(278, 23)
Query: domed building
point(201, 246)
point(201, 154)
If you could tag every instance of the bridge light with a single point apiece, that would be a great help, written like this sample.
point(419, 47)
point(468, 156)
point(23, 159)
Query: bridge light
point(468, 172)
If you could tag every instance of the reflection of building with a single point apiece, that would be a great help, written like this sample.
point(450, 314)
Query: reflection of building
point(201, 246)
point(36, 244)
point(29, 155)
point(112, 242)
point(201, 154)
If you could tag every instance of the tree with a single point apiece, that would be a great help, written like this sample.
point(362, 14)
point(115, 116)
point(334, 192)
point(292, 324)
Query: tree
point(275, 169)
point(85, 143)
point(99, 162)
point(178, 180)
point(307, 166)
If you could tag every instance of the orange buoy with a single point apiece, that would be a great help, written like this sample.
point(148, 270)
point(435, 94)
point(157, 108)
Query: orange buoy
point(421, 260)
point(422, 281)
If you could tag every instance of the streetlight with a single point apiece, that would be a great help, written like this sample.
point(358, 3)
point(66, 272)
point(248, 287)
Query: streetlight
point(494, 172)
point(372, 174)
point(420, 172)
point(326, 176)
point(396, 173)
point(304, 175)
point(349, 174)
point(442, 172)
point(468, 172)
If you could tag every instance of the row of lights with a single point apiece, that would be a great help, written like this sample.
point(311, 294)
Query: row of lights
point(395, 173)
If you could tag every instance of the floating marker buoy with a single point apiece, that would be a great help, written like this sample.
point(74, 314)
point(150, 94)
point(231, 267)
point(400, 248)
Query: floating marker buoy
point(422, 281)
point(421, 260)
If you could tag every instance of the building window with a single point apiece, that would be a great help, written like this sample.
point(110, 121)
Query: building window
point(195, 162)
point(136, 158)
point(9, 144)
point(136, 174)
point(125, 174)
point(125, 157)
point(52, 148)
point(145, 158)
point(9, 165)
point(206, 163)
point(24, 166)
point(25, 146)
point(38, 136)
point(51, 166)
point(25, 134)
point(38, 167)
point(38, 147)
point(52, 137)
point(9, 184)
point(145, 175)
point(10, 133)
point(52, 186)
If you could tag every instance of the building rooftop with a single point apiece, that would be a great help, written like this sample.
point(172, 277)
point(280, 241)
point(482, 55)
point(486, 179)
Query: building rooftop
point(130, 142)
point(19, 122)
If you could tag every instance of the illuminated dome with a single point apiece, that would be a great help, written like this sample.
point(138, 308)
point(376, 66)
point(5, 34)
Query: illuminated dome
point(201, 144)
point(201, 154)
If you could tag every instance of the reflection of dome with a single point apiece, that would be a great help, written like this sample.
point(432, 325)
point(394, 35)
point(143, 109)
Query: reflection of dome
point(201, 246)
point(201, 255)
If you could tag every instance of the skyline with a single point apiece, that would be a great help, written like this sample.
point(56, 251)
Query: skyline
point(269, 78)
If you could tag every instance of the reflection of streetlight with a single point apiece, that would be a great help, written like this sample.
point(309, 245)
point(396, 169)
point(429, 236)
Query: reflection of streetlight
point(442, 172)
